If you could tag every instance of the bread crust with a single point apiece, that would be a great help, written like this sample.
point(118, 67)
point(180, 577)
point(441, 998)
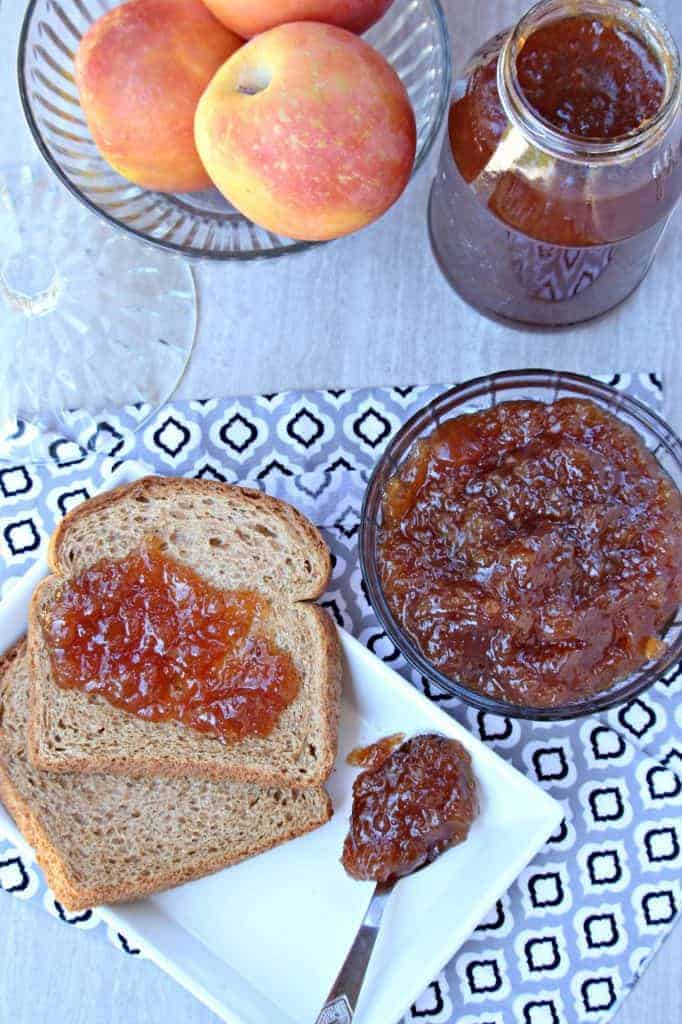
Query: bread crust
point(146, 764)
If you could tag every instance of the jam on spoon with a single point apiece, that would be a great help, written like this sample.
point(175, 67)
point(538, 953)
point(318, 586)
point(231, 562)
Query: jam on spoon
point(414, 802)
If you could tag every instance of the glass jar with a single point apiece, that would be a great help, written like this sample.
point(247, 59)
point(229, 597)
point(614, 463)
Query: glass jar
point(535, 225)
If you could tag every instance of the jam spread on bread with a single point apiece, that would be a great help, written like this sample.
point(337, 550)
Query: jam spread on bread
point(533, 551)
point(412, 804)
point(155, 639)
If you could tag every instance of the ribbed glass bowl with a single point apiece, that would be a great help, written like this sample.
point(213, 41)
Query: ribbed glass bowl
point(412, 35)
point(483, 393)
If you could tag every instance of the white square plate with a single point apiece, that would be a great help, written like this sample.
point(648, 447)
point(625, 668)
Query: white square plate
point(261, 942)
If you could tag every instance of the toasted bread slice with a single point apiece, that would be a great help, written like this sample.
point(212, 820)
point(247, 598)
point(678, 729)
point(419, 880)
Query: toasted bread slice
point(106, 839)
point(233, 538)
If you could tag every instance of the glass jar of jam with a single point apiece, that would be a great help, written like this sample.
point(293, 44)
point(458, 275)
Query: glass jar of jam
point(562, 162)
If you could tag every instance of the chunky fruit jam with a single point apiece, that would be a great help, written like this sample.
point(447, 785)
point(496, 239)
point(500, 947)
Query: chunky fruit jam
point(411, 805)
point(375, 753)
point(590, 78)
point(154, 638)
point(533, 551)
point(553, 224)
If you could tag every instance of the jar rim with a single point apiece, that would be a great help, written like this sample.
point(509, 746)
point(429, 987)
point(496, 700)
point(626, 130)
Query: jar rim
point(547, 136)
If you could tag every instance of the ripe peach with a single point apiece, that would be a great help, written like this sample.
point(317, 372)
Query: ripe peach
point(140, 70)
point(308, 131)
point(249, 17)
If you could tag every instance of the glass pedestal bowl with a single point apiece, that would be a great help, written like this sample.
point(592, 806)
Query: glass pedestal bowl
point(89, 319)
point(412, 35)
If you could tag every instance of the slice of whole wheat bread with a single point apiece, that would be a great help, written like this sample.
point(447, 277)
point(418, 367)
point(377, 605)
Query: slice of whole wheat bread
point(233, 538)
point(105, 839)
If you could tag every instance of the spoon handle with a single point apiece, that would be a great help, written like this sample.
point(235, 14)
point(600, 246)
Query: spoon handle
point(342, 1000)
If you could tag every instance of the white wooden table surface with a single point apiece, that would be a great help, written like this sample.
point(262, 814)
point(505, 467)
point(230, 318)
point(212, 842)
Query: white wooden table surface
point(371, 309)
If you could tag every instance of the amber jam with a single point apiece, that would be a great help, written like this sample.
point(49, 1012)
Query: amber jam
point(562, 164)
point(152, 637)
point(409, 806)
point(374, 754)
point(591, 78)
point(533, 551)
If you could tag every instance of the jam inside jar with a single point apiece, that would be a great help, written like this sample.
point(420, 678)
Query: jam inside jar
point(562, 162)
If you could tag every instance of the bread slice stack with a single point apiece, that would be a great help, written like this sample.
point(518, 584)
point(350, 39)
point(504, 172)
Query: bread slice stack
point(117, 806)
point(103, 838)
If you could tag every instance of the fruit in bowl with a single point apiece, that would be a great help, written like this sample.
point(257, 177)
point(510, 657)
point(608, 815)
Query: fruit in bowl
point(250, 17)
point(140, 70)
point(308, 131)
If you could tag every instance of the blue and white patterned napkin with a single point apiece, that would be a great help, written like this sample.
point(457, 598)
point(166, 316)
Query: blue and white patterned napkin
point(574, 933)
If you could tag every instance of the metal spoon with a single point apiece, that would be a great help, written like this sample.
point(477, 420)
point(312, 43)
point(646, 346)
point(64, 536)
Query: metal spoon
point(342, 1000)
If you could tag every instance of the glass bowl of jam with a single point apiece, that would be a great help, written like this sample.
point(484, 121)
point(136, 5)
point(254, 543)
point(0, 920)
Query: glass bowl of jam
point(561, 164)
point(521, 544)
